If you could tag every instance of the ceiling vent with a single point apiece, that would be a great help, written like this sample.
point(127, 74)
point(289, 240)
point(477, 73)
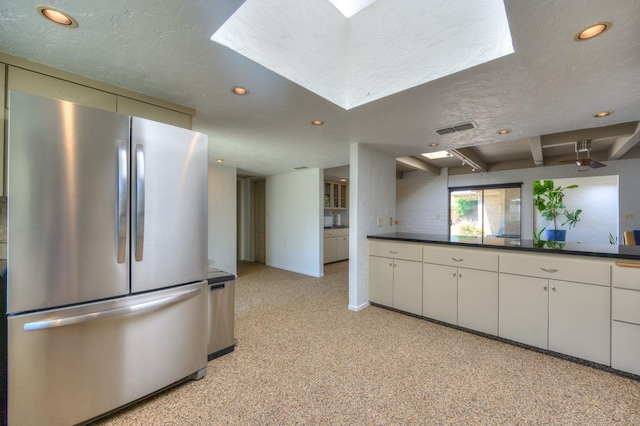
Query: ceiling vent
point(457, 128)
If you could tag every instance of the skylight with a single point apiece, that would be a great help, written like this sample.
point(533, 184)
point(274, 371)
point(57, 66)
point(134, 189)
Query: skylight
point(377, 52)
point(436, 155)
point(350, 7)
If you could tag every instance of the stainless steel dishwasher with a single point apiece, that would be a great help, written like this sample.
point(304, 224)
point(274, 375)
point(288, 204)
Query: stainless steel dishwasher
point(221, 313)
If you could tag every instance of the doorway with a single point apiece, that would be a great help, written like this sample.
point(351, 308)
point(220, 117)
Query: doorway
point(259, 221)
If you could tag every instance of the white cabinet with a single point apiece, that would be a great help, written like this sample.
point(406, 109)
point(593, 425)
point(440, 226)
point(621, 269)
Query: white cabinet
point(625, 315)
point(381, 280)
point(523, 305)
point(440, 293)
point(336, 245)
point(465, 296)
point(563, 316)
point(50, 87)
point(478, 300)
point(395, 275)
point(335, 195)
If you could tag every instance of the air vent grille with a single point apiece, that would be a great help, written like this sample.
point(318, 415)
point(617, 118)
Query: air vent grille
point(457, 128)
point(445, 130)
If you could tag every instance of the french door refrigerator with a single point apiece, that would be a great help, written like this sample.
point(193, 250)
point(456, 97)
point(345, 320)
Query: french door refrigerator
point(107, 259)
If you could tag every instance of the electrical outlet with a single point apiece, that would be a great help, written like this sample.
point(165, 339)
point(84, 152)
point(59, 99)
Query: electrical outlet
point(379, 221)
point(629, 217)
point(390, 221)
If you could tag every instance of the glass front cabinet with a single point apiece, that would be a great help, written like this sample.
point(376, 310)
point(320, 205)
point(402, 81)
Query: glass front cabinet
point(335, 195)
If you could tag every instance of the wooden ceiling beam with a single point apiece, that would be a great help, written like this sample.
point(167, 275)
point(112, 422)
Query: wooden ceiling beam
point(535, 145)
point(622, 145)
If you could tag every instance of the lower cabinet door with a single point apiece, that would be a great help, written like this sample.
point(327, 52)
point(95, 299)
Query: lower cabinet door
point(329, 250)
point(478, 300)
point(381, 280)
point(580, 320)
point(523, 309)
point(342, 248)
point(407, 286)
point(625, 347)
point(440, 293)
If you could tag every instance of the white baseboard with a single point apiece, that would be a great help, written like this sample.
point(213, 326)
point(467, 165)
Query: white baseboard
point(359, 307)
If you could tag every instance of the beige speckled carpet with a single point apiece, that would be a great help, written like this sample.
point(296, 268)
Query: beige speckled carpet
point(304, 359)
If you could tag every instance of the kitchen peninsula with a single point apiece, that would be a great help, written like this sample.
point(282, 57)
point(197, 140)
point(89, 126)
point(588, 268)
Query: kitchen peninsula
point(580, 301)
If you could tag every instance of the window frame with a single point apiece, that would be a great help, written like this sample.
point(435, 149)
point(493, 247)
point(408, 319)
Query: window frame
point(482, 188)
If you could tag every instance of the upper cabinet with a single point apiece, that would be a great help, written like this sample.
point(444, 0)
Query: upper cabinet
point(37, 79)
point(152, 112)
point(43, 85)
point(336, 195)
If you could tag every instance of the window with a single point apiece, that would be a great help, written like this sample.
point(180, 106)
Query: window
point(482, 212)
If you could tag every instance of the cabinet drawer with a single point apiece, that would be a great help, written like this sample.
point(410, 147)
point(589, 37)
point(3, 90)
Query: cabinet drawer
point(406, 251)
point(626, 276)
point(340, 232)
point(557, 267)
point(626, 305)
point(469, 258)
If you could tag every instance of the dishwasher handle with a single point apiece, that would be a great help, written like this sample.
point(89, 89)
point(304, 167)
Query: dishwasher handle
point(214, 287)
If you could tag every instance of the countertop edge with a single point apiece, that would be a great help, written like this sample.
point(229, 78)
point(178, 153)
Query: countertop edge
point(417, 238)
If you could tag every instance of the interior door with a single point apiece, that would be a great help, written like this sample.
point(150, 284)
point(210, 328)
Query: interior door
point(66, 239)
point(168, 205)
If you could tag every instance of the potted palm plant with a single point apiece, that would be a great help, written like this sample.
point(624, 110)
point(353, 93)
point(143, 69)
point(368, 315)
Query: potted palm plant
point(549, 200)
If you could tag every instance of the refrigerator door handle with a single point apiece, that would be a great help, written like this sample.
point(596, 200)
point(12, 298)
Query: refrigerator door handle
point(94, 316)
point(122, 195)
point(139, 215)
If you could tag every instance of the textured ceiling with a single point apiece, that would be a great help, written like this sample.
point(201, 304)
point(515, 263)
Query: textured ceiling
point(162, 48)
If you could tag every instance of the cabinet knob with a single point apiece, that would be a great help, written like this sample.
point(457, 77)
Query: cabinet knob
point(393, 252)
point(456, 259)
point(544, 287)
point(550, 270)
point(553, 288)
point(454, 274)
point(459, 275)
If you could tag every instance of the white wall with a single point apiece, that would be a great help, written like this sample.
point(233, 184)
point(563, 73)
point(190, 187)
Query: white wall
point(222, 218)
point(372, 190)
point(419, 193)
point(294, 228)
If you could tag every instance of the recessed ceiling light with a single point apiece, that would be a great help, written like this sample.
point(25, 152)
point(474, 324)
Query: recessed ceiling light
point(343, 180)
point(220, 160)
point(603, 114)
point(433, 145)
point(57, 16)
point(504, 131)
point(317, 122)
point(592, 31)
point(241, 91)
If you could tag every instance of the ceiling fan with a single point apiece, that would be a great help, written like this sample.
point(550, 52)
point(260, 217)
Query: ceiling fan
point(583, 157)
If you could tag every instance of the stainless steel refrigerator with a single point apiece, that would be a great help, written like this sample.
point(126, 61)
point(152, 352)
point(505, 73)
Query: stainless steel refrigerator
point(107, 259)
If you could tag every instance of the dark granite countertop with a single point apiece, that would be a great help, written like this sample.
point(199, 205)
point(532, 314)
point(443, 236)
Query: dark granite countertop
point(581, 249)
point(215, 276)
